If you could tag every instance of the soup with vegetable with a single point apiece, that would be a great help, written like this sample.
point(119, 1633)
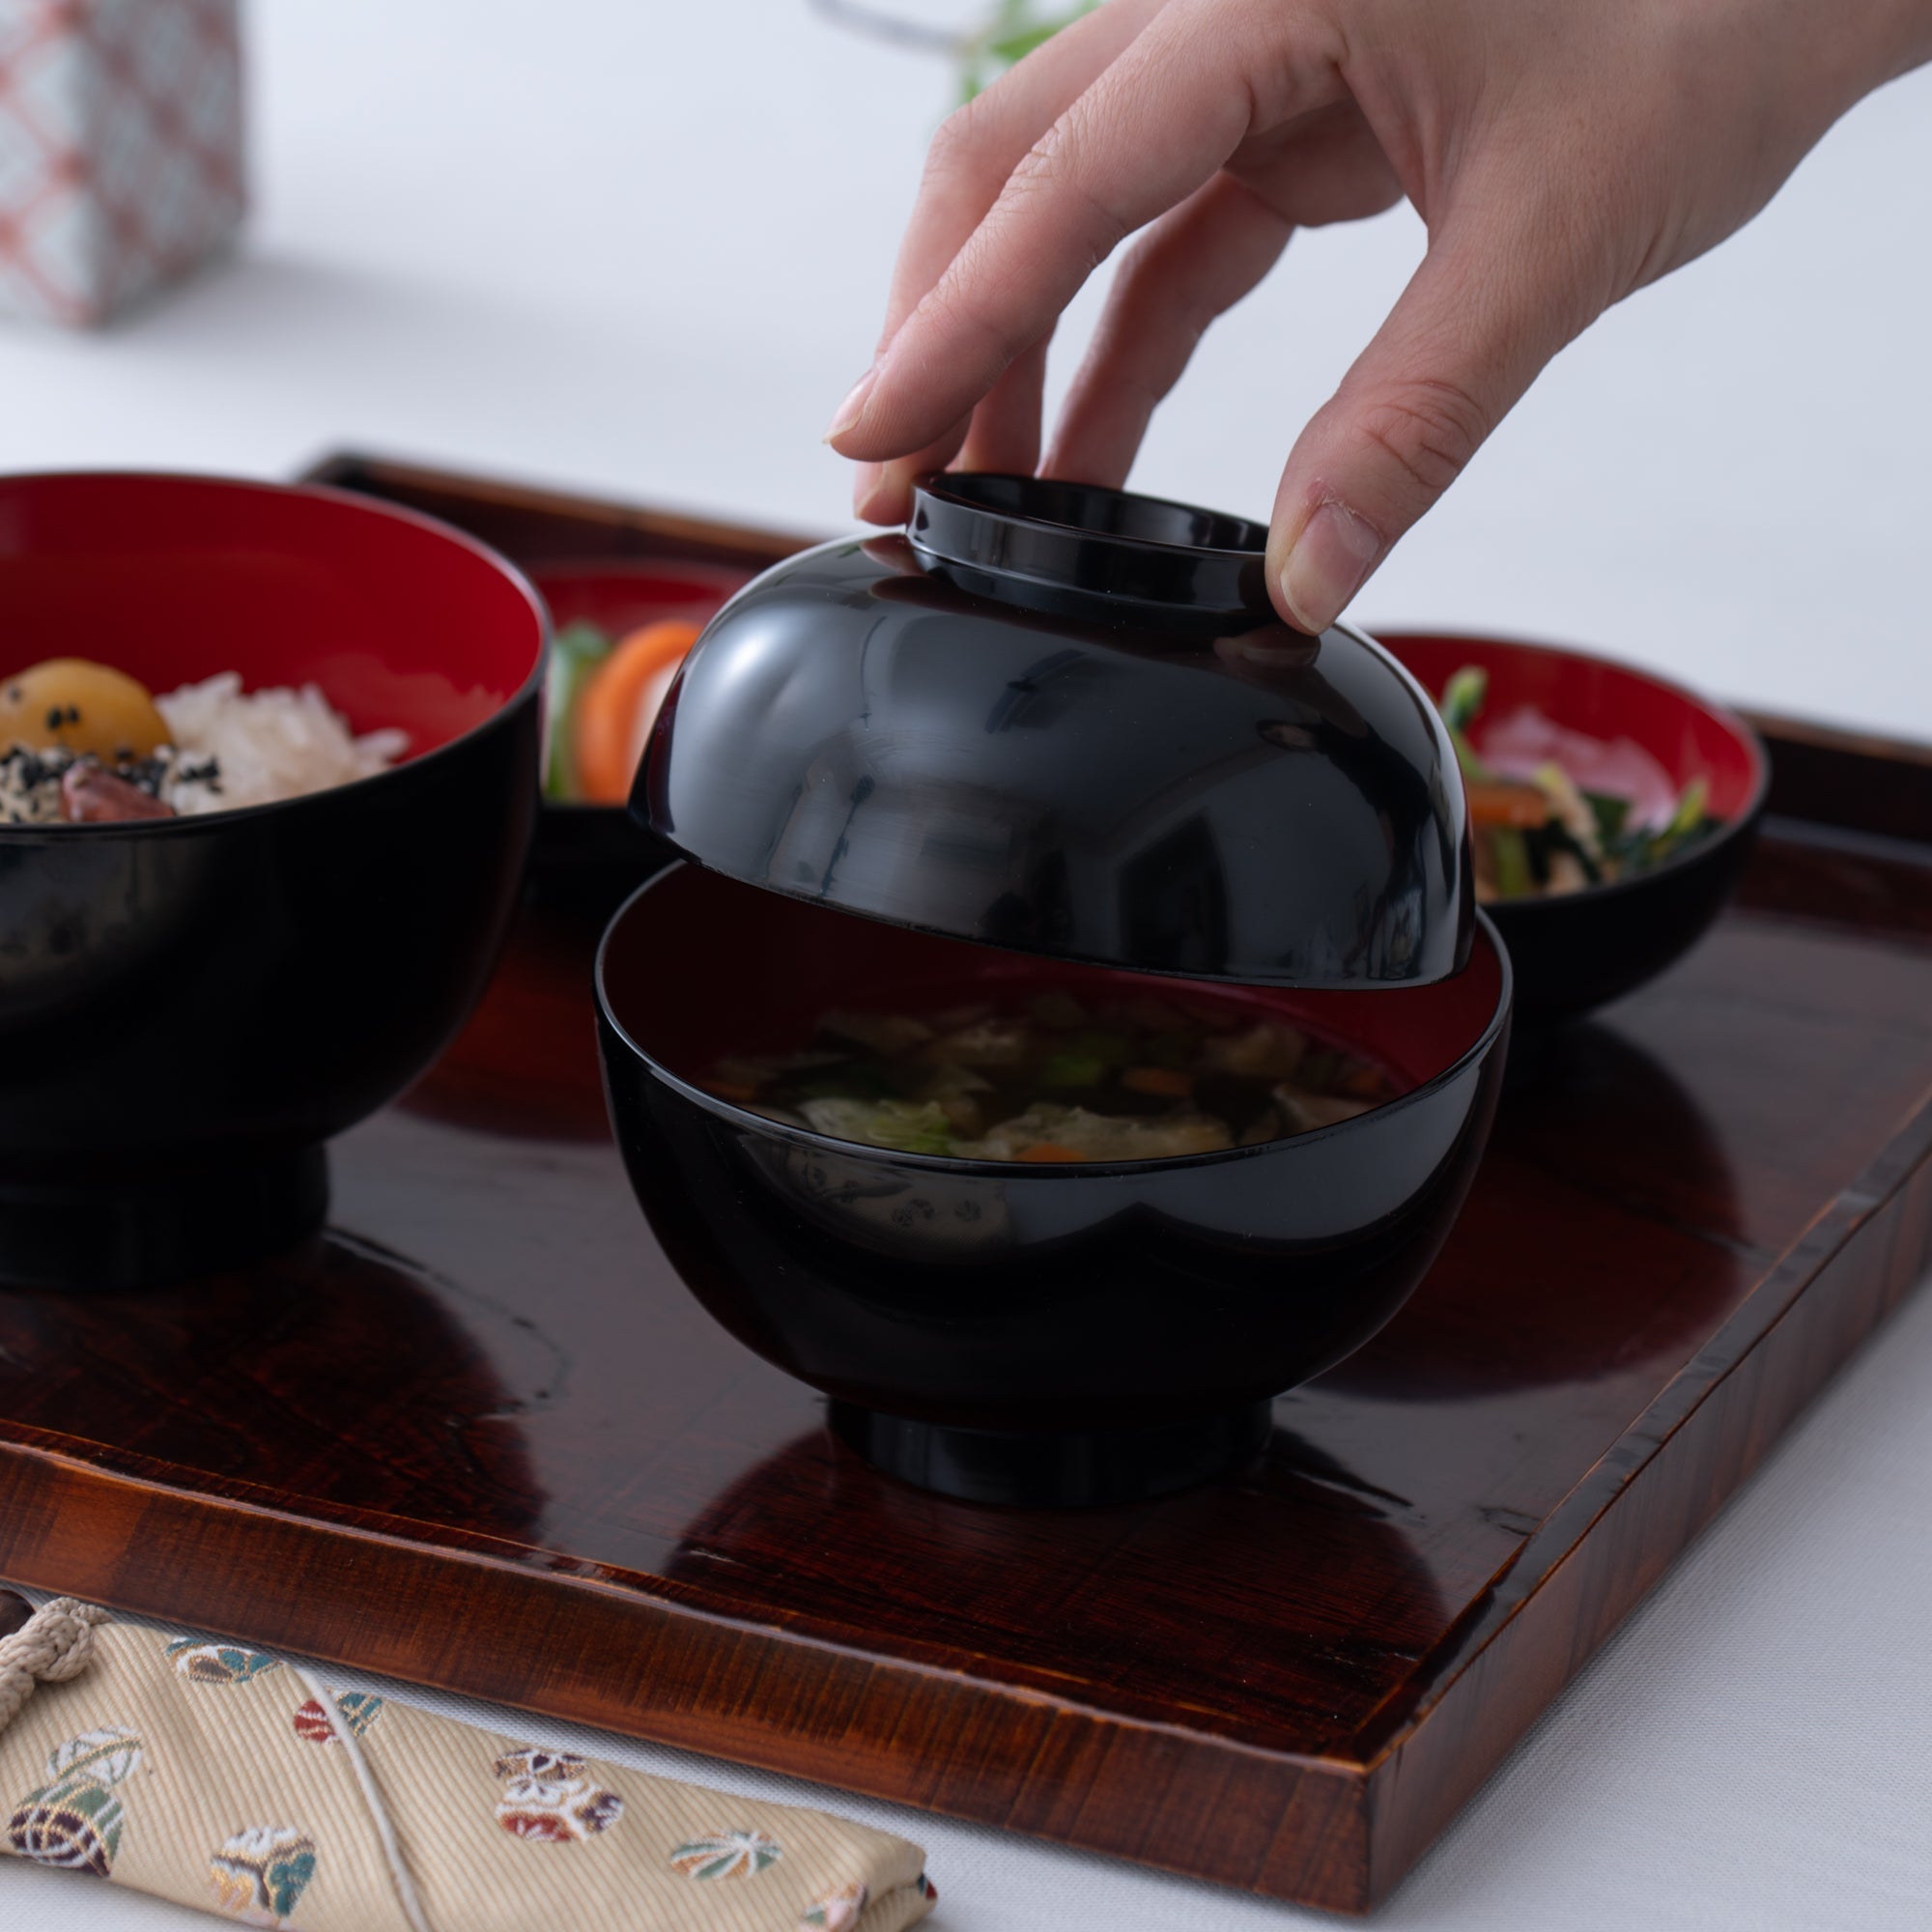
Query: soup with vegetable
point(1049, 1076)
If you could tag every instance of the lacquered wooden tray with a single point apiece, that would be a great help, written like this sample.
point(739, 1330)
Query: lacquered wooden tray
point(478, 1435)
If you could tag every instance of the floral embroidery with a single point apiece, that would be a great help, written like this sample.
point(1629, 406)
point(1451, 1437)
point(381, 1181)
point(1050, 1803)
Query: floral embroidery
point(357, 1710)
point(546, 1797)
point(218, 1662)
point(729, 1855)
point(75, 1818)
point(260, 1874)
point(838, 1913)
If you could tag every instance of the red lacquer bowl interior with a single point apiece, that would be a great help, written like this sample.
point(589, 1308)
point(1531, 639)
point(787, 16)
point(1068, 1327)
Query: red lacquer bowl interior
point(699, 967)
point(400, 621)
point(1689, 736)
point(620, 597)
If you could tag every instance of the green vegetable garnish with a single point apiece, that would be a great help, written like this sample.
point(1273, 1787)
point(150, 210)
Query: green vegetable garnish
point(867, 1079)
point(1612, 815)
point(574, 652)
point(1545, 843)
point(1006, 32)
point(1461, 705)
point(1690, 812)
point(1072, 1070)
point(1109, 1049)
point(1509, 853)
point(1462, 698)
point(1014, 29)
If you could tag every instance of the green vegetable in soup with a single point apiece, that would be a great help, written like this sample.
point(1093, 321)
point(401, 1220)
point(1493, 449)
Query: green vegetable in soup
point(1058, 1079)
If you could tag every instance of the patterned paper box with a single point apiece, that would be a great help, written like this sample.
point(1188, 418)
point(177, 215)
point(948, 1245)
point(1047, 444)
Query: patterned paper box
point(121, 161)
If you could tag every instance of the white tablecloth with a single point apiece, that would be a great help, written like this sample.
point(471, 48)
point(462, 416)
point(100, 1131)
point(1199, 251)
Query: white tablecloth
point(642, 249)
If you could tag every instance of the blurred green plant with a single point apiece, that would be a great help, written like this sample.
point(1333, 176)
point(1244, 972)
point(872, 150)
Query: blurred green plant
point(1008, 31)
point(1016, 29)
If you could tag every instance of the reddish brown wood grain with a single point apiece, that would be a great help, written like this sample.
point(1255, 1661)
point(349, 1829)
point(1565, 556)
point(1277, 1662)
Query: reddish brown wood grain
point(479, 1436)
point(545, 526)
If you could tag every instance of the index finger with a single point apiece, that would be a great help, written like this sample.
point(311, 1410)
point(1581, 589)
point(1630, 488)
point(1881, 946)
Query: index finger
point(1096, 175)
point(980, 144)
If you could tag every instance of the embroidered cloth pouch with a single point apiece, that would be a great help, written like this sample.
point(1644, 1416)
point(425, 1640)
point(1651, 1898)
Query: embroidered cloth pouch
point(238, 1782)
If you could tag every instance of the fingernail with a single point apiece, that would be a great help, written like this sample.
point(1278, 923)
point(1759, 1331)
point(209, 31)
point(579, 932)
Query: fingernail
point(854, 406)
point(1330, 561)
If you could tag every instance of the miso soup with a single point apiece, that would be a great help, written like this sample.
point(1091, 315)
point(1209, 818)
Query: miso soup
point(1054, 1076)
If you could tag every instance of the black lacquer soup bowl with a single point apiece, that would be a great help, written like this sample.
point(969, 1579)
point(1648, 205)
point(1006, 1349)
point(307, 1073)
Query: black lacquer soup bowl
point(1013, 1333)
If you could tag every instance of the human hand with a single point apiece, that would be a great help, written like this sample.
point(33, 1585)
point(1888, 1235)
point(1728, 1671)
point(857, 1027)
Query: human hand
point(1561, 156)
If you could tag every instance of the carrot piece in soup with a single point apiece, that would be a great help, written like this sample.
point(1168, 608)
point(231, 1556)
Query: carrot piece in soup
point(1169, 1082)
point(1365, 1082)
point(1050, 1151)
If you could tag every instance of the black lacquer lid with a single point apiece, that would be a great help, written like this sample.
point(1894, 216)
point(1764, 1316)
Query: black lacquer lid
point(1066, 720)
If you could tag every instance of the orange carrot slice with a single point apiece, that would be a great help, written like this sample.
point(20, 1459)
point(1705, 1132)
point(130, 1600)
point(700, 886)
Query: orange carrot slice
point(1050, 1151)
point(1521, 805)
point(1167, 1081)
point(618, 705)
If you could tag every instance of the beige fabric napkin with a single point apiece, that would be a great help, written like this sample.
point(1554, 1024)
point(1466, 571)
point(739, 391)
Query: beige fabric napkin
point(232, 1780)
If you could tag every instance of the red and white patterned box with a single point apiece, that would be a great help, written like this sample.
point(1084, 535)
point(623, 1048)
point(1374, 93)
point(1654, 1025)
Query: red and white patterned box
point(121, 161)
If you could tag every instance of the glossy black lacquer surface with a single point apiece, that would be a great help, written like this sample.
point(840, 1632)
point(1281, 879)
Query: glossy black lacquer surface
point(1092, 1309)
point(190, 1009)
point(1066, 720)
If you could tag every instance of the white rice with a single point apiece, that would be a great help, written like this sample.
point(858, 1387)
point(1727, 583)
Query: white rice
point(268, 745)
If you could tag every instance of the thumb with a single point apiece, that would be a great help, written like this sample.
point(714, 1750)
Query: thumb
point(1469, 334)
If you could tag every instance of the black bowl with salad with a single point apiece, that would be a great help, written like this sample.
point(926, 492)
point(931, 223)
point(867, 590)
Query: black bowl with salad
point(1610, 811)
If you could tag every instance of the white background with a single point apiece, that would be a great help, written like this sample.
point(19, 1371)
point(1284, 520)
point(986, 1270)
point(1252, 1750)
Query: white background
point(641, 248)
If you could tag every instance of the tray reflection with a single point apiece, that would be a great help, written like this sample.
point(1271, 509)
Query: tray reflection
point(1577, 1120)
